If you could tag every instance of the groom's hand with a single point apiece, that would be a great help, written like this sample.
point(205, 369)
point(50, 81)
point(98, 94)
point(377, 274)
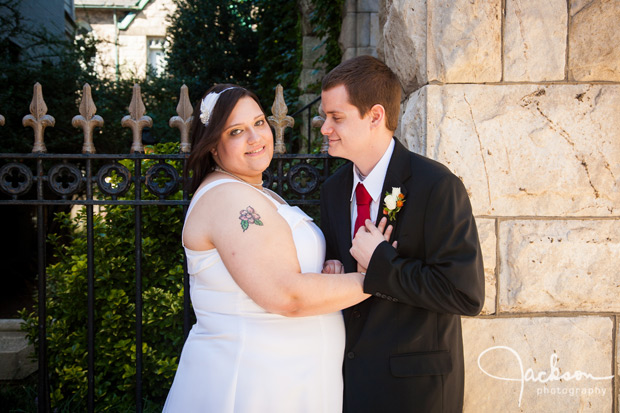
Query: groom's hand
point(366, 240)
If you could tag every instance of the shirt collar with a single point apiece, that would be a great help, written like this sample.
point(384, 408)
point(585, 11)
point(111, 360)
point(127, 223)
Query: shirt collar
point(374, 180)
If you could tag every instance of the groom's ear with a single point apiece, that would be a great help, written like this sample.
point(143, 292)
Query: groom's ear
point(377, 115)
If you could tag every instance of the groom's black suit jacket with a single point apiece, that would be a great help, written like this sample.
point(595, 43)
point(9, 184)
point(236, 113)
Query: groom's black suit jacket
point(404, 348)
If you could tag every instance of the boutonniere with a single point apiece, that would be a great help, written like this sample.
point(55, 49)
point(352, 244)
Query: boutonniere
point(393, 203)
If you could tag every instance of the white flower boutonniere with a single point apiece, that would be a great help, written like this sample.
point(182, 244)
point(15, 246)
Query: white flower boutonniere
point(393, 203)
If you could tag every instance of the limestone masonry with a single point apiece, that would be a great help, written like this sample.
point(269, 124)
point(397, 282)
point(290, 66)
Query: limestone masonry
point(521, 100)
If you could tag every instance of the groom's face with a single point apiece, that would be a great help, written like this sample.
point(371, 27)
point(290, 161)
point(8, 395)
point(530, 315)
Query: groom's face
point(346, 129)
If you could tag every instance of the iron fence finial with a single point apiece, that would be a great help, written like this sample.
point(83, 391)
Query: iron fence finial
point(184, 119)
point(136, 120)
point(87, 119)
point(280, 121)
point(38, 119)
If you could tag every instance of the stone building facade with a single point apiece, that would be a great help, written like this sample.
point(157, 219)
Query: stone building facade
point(520, 99)
point(131, 34)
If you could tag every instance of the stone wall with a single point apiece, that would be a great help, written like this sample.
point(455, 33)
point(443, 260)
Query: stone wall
point(360, 28)
point(520, 99)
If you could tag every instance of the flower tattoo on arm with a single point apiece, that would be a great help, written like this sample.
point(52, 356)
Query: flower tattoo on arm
point(249, 216)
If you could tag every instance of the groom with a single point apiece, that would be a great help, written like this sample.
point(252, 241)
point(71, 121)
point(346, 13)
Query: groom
point(404, 348)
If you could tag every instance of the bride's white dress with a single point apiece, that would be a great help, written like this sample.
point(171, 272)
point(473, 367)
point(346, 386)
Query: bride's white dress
point(240, 358)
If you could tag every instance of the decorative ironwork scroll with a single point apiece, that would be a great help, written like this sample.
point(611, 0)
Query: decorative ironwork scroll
point(65, 179)
point(162, 179)
point(15, 179)
point(113, 179)
point(304, 178)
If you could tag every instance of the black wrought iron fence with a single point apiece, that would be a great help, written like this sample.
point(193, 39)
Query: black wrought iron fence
point(94, 180)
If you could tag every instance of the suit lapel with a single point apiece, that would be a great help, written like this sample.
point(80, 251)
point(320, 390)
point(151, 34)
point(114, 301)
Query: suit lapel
point(342, 213)
point(397, 174)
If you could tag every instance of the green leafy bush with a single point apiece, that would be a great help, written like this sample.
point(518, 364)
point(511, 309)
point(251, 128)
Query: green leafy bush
point(114, 256)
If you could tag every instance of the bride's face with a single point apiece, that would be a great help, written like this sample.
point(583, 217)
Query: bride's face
point(246, 145)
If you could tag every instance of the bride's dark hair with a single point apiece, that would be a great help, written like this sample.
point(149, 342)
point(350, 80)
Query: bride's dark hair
point(204, 138)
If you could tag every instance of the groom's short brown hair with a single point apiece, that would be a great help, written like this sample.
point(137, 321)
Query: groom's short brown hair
point(368, 81)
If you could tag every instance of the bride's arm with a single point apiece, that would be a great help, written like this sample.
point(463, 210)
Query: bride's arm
point(260, 254)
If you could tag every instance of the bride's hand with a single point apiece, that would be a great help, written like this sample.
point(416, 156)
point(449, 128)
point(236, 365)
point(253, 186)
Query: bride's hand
point(333, 267)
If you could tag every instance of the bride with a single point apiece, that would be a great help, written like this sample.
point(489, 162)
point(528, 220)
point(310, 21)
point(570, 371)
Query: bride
point(269, 335)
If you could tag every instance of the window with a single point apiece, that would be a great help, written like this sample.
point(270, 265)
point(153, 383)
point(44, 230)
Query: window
point(156, 57)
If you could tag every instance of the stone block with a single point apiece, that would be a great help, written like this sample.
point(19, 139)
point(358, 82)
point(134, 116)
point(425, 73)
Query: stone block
point(540, 364)
point(348, 33)
point(535, 40)
point(362, 51)
point(413, 118)
point(310, 76)
point(305, 9)
point(402, 44)
point(523, 150)
point(368, 6)
point(312, 49)
point(464, 41)
point(16, 360)
point(350, 6)
point(618, 363)
point(488, 243)
point(348, 53)
point(384, 6)
point(559, 265)
point(593, 39)
point(374, 29)
point(363, 29)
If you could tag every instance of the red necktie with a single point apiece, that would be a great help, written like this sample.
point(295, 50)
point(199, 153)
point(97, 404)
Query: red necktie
point(363, 200)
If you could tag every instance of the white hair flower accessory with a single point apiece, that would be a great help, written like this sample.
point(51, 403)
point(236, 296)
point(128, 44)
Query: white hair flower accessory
point(208, 103)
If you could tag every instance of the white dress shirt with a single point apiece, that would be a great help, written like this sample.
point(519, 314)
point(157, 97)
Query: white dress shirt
point(373, 183)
